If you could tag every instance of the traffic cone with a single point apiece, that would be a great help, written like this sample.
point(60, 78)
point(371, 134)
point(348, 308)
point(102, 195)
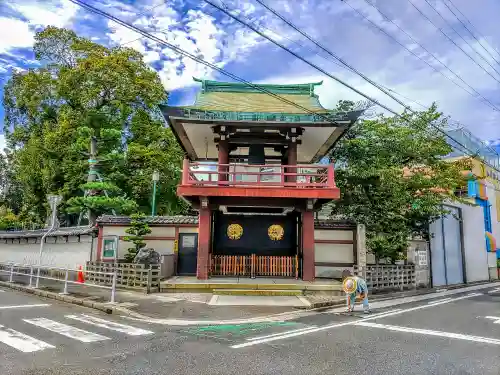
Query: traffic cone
point(81, 277)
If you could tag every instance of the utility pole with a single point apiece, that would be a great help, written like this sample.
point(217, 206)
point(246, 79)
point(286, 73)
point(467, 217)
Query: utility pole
point(92, 176)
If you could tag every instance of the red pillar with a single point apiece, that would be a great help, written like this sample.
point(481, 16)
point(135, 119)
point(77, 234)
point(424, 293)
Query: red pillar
point(223, 159)
point(203, 261)
point(292, 160)
point(308, 269)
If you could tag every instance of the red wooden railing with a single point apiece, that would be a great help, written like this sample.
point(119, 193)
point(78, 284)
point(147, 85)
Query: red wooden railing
point(254, 265)
point(268, 175)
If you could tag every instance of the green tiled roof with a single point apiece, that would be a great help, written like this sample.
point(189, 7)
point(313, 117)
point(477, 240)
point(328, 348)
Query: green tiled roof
point(238, 97)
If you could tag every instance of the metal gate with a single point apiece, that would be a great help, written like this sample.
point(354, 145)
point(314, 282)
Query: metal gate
point(447, 263)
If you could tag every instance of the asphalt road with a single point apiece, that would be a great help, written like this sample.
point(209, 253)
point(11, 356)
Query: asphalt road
point(453, 334)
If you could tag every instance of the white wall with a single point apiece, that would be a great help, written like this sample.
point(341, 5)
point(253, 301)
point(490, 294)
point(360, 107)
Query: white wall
point(333, 253)
point(157, 239)
point(56, 252)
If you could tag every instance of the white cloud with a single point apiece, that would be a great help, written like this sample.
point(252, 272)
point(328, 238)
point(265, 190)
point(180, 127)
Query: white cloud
point(19, 35)
point(56, 13)
point(2, 143)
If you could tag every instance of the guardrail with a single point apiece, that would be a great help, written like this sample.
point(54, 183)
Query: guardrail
point(37, 272)
point(267, 175)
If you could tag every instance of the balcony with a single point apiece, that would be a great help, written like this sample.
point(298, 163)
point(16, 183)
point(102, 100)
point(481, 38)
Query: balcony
point(266, 181)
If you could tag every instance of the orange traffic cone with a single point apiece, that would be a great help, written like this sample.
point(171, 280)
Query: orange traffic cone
point(81, 277)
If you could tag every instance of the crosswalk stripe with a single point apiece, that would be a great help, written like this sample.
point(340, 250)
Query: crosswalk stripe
point(22, 342)
point(129, 330)
point(65, 330)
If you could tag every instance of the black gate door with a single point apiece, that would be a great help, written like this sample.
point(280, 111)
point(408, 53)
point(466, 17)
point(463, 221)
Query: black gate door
point(187, 256)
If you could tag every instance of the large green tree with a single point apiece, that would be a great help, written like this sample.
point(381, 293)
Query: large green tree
point(84, 90)
point(394, 178)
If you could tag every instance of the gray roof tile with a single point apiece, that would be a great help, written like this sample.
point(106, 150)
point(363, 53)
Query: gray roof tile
point(69, 231)
point(156, 220)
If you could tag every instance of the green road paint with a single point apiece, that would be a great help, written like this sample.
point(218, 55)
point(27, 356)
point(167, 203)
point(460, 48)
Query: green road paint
point(237, 330)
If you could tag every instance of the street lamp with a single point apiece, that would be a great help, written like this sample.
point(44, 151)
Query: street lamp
point(156, 178)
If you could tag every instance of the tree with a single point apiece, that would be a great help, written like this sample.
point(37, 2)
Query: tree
point(137, 230)
point(84, 90)
point(394, 179)
point(8, 220)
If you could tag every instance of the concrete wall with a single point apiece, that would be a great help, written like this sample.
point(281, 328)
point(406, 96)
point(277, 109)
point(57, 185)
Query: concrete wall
point(161, 238)
point(418, 255)
point(57, 252)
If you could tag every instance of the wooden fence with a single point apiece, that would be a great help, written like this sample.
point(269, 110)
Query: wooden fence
point(128, 275)
point(253, 265)
point(388, 277)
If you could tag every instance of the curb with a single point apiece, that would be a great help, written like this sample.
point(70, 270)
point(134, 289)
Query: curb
point(109, 308)
point(394, 295)
point(105, 307)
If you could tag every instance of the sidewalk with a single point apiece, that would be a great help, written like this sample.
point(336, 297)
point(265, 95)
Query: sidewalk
point(198, 308)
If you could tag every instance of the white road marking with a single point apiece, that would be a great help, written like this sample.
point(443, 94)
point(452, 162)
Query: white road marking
point(65, 330)
point(496, 290)
point(495, 318)
point(369, 316)
point(1, 291)
point(129, 330)
point(429, 332)
point(22, 342)
point(437, 301)
point(280, 333)
point(286, 335)
point(23, 306)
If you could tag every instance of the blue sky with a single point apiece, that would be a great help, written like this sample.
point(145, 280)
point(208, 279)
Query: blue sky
point(200, 29)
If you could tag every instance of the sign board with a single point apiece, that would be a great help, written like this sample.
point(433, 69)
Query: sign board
point(109, 248)
point(176, 246)
point(422, 258)
point(188, 241)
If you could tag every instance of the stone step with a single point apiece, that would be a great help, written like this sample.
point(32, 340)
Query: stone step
point(209, 287)
point(257, 292)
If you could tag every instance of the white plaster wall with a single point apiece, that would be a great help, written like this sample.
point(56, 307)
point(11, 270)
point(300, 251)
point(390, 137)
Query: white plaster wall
point(475, 254)
point(333, 253)
point(56, 253)
point(162, 246)
point(329, 234)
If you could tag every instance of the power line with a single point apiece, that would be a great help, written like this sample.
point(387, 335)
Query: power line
point(470, 32)
point(371, 99)
point(472, 26)
point(333, 57)
point(197, 59)
point(461, 37)
point(478, 95)
point(227, 12)
point(330, 53)
point(451, 40)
